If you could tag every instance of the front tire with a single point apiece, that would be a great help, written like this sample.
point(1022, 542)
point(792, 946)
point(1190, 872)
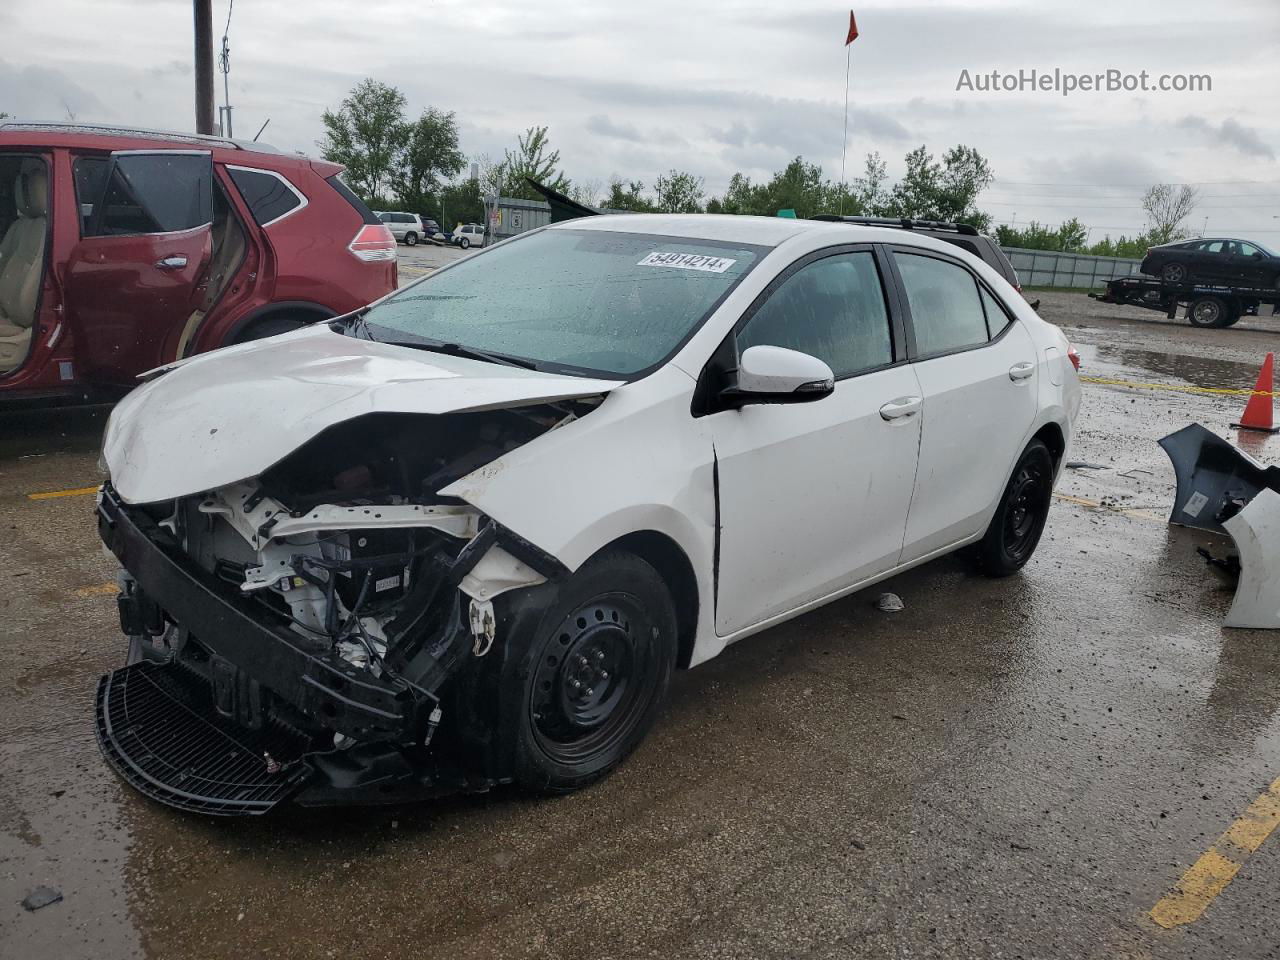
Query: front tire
point(594, 674)
point(1019, 521)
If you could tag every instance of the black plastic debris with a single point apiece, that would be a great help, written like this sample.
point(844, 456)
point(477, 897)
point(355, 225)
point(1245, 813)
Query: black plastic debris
point(1215, 479)
point(41, 897)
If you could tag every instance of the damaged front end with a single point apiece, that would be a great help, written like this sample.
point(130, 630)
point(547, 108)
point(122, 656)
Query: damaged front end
point(308, 633)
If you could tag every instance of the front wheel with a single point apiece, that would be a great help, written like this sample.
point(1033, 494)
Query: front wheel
point(594, 674)
point(1019, 521)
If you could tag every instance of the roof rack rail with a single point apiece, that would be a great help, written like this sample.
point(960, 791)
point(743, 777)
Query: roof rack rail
point(903, 223)
point(110, 129)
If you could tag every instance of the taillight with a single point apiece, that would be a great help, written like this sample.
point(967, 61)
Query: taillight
point(374, 242)
point(1074, 357)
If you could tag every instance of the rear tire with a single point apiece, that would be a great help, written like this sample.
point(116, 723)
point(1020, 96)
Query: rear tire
point(1173, 273)
point(1019, 521)
point(410, 239)
point(1208, 312)
point(594, 674)
point(464, 243)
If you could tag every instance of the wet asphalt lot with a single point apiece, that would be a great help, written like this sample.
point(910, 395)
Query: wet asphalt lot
point(1016, 768)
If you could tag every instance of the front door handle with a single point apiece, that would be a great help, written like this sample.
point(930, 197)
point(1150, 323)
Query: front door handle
point(901, 408)
point(1021, 371)
point(175, 262)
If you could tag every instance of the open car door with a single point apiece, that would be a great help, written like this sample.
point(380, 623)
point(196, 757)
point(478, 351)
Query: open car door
point(141, 264)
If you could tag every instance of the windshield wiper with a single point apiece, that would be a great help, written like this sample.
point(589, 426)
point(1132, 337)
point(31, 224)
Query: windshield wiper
point(353, 325)
point(458, 350)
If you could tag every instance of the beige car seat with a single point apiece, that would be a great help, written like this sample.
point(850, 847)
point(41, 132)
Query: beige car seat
point(22, 262)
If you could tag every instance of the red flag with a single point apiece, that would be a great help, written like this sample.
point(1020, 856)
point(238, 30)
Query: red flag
point(853, 30)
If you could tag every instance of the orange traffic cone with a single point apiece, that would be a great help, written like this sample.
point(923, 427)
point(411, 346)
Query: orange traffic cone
point(1258, 411)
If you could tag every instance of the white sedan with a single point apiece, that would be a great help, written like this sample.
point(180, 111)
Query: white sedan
point(464, 536)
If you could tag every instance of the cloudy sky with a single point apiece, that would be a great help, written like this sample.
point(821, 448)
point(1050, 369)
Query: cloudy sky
point(637, 88)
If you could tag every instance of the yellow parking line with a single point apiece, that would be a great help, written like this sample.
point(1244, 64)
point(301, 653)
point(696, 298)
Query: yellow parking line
point(1179, 388)
point(1217, 867)
point(97, 590)
point(1135, 512)
point(54, 494)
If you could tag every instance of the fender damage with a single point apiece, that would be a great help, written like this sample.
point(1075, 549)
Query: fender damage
point(316, 630)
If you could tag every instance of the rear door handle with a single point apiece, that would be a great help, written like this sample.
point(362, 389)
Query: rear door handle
point(901, 408)
point(1021, 371)
point(175, 262)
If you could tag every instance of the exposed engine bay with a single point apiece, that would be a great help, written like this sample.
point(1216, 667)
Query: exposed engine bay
point(332, 598)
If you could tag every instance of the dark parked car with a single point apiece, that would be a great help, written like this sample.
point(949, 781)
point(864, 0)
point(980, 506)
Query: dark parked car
point(1238, 262)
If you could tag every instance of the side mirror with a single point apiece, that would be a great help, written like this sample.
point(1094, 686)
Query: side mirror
point(778, 375)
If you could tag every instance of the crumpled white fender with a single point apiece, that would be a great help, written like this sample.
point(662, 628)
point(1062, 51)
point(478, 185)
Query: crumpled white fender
point(1256, 531)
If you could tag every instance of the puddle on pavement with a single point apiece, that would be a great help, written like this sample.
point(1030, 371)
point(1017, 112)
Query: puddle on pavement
point(1106, 360)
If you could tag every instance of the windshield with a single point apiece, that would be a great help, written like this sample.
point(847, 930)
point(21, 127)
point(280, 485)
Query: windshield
point(586, 301)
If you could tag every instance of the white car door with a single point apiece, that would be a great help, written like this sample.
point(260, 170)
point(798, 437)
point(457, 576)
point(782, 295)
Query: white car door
point(977, 372)
point(813, 497)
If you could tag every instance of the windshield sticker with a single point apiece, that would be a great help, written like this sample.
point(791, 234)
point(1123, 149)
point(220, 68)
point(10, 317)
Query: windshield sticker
point(687, 261)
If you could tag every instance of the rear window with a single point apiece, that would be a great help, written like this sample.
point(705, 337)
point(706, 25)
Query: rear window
point(269, 196)
point(367, 215)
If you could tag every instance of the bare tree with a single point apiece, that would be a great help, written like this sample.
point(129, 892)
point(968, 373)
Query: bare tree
point(1167, 206)
point(587, 191)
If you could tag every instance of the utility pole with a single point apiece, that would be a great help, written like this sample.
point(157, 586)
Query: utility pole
point(224, 64)
point(203, 10)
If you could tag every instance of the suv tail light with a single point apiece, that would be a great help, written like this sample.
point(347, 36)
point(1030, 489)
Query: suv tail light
point(1074, 357)
point(373, 242)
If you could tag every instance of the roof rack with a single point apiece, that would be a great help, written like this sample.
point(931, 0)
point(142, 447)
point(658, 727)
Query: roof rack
point(111, 130)
point(904, 223)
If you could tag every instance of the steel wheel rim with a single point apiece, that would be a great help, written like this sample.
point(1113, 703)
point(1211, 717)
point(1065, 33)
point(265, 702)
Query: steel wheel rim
point(590, 682)
point(1022, 520)
point(1206, 312)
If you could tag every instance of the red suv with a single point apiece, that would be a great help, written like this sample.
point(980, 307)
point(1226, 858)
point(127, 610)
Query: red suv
point(121, 250)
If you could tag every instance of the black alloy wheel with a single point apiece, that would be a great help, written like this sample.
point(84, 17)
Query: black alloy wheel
point(1173, 273)
point(1014, 532)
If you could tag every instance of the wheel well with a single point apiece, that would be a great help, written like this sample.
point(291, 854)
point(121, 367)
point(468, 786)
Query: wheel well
point(306, 313)
point(664, 555)
point(1051, 436)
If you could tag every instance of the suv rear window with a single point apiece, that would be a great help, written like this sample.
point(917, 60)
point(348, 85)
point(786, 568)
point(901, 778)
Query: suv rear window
point(269, 196)
point(367, 215)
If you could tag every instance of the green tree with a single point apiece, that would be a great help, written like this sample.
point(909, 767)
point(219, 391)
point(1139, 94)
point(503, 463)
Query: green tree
point(679, 192)
point(949, 190)
point(1068, 237)
point(870, 193)
point(430, 155)
point(532, 159)
point(367, 134)
point(627, 196)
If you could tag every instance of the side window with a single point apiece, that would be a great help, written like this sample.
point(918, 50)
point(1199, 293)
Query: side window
point(1215, 246)
point(156, 193)
point(90, 176)
point(997, 317)
point(832, 309)
point(945, 309)
point(268, 197)
point(384, 217)
point(1248, 249)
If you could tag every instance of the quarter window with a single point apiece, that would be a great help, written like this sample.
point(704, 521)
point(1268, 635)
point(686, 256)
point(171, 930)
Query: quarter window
point(90, 176)
point(832, 309)
point(269, 198)
point(997, 318)
point(946, 311)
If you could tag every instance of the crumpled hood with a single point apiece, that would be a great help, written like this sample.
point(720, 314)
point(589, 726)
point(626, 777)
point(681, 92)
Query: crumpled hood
point(229, 415)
